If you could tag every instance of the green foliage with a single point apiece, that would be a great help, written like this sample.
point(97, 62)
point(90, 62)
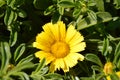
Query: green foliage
point(22, 20)
point(94, 58)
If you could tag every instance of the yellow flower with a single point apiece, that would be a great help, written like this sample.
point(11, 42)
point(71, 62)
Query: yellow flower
point(59, 46)
point(108, 68)
point(117, 73)
point(108, 78)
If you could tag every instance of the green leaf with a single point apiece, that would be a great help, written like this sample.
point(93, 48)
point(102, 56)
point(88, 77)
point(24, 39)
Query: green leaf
point(104, 16)
point(26, 60)
point(118, 64)
point(20, 67)
point(5, 55)
point(19, 51)
point(86, 78)
point(76, 12)
point(40, 66)
point(49, 10)
point(11, 3)
point(22, 75)
point(117, 53)
point(91, 3)
point(114, 77)
point(14, 4)
point(97, 68)
point(66, 4)
point(93, 58)
point(41, 4)
point(22, 14)
point(13, 37)
point(91, 19)
point(100, 5)
point(10, 16)
point(117, 2)
point(56, 17)
point(86, 22)
point(61, 10)
point(2, 2)
point(53, 76)
point(105, 46)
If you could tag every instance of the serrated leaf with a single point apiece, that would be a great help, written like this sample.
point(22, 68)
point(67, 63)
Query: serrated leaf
point(94, 58)
point(5, 55)
point(66, 4)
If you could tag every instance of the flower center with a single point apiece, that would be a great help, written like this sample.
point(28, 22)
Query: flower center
point(60, 49)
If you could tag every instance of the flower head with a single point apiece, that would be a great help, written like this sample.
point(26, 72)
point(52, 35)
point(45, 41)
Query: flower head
point(59, 46)
point(108, 68)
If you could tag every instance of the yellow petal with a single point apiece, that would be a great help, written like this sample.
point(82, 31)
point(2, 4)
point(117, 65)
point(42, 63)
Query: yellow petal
point(47, 29)
point(72, 59)
point(70, 33)
point(118, 74)
point(42, 47)
point(108, 68)
point(76, 56)
point(62, 30)
point(55, 31)
point(44, 38)
point(48, 56)
point(79, 47)
point(108, 78)
point(59, 63)
point(52, 67)
point(69, 61)
point(76, 39)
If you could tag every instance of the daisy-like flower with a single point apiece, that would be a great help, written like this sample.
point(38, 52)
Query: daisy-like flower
point(59, 46)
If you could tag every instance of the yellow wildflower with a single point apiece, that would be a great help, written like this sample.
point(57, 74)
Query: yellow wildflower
point(117, 73)
point(59, 46)
point(108, 68)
